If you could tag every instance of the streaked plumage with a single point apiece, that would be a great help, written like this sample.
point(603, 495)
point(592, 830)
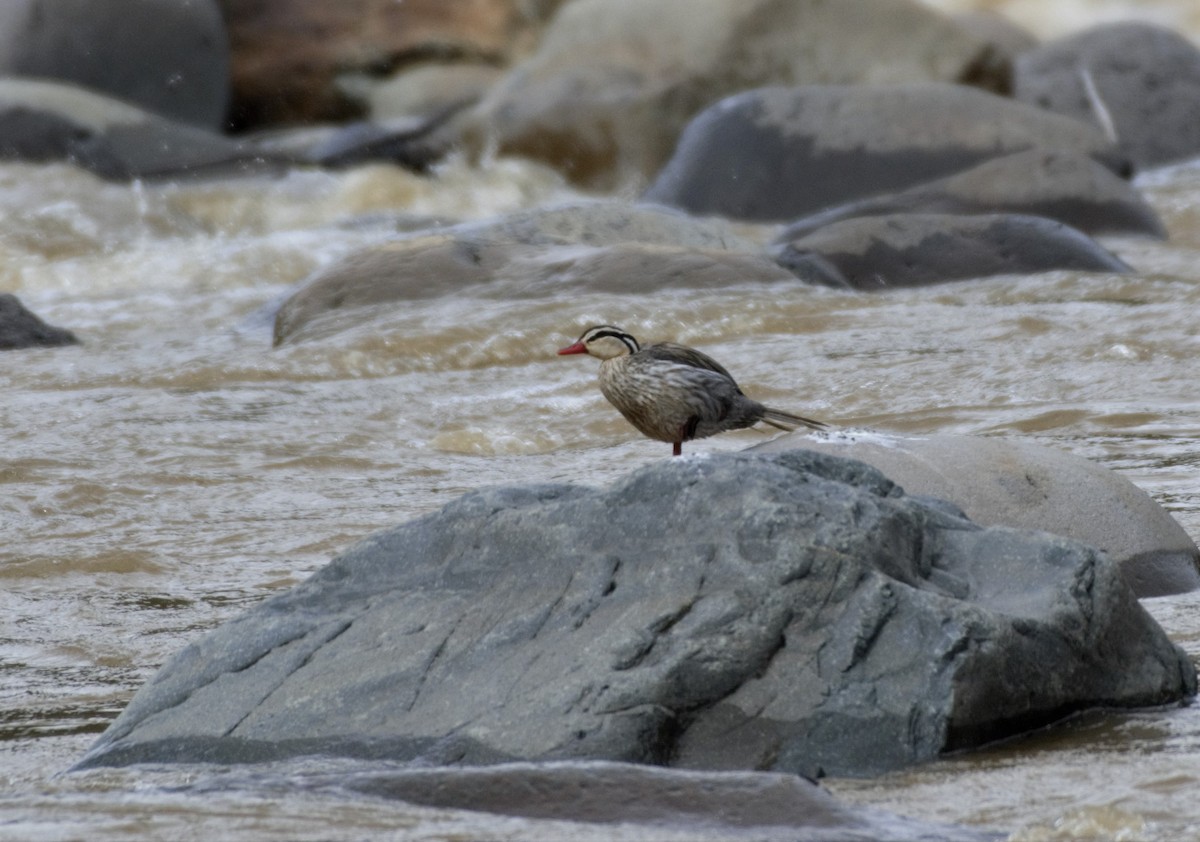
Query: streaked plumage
point(671, 392)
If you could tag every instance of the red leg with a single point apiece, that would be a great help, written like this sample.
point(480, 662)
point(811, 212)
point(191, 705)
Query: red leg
point(678, 449)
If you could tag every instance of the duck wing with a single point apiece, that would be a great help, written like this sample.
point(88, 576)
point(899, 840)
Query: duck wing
point(683, 355)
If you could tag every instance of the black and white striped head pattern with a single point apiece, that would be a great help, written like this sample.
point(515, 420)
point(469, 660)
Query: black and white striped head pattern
point(604, 342)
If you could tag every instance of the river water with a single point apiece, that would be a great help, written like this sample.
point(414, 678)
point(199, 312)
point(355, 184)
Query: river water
point(176, 469)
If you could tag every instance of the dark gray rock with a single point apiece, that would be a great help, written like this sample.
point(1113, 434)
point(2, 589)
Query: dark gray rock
point(1009, 482)
point(778, 153)
point(1072, 189)
point(714, 805)
point(784, 612)
point(166, 56)
point(903, 250)
point(20, 328)
point(610, 247)
point(1145, 87)
point(45, 121)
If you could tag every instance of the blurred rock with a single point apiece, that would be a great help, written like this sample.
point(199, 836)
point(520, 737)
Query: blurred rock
point(778, 153)
point(615, 81)
point(166, 56)
point(1146, 83)
point(787, 612)
point(1010, 482)
point(289, 57)
point(45, 121)
point(877, 253)
point(1064, 186)
point(20, 328)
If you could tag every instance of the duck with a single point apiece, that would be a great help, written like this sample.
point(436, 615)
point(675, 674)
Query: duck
point(673, 393)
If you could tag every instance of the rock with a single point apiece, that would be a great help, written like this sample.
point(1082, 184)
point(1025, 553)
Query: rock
point(1070, 188)
point(20, 328)
point(598, 246)
point(165, 56)
point(44, 121)
point(903, 250)
point(774, 807)
point(774, 154)
point(788, 612)
point(1008, 39)
point(1009, 482)
point(614, 82)
point(1146, 81)
point(292, 59)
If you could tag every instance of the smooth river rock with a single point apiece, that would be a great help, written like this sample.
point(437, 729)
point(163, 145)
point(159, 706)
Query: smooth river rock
point(613, 82)
point(876, 253)
point(1137, 80)
point(790, 612)
point(772, 154)
point(1067, 187)
point(612, 247)
point(1010, 482)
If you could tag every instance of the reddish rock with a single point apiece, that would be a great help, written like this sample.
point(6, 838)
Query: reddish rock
point(287, 55)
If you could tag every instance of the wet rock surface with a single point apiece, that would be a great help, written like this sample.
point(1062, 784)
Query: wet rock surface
point(1072, 189)
point(19, 328)
point(776, 153)
point(790, 612)
point(876, 253)
point(1009, 482)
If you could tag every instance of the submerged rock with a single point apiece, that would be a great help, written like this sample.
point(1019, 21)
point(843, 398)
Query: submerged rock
point(777, 153)
point(874, 253)
point(1009, 482)
point(1066, 187)
point(790, 612)
point(613, 82)
point(19, 328)
point(594, 246)
point(1139, 81)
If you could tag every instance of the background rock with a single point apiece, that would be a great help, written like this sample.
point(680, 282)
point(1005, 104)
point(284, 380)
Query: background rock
point(20, 328)
point(165, 56)
point(44, 121)
point(1070, 188)
point(875, 253)
point(1147, 78)
point(1009, 482)
point(614, 82)
point(784, 612)
point(290, 57)
point(777, 153)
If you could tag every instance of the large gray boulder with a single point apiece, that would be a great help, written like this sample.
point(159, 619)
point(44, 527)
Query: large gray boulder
point(166, 56)
point(874, 253)
point(789, 612)
point(776, 153)
point(614, 82)
point(1139, 81)
point(1010, 482)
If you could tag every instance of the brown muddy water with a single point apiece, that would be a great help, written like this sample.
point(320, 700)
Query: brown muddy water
point(176, 469)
